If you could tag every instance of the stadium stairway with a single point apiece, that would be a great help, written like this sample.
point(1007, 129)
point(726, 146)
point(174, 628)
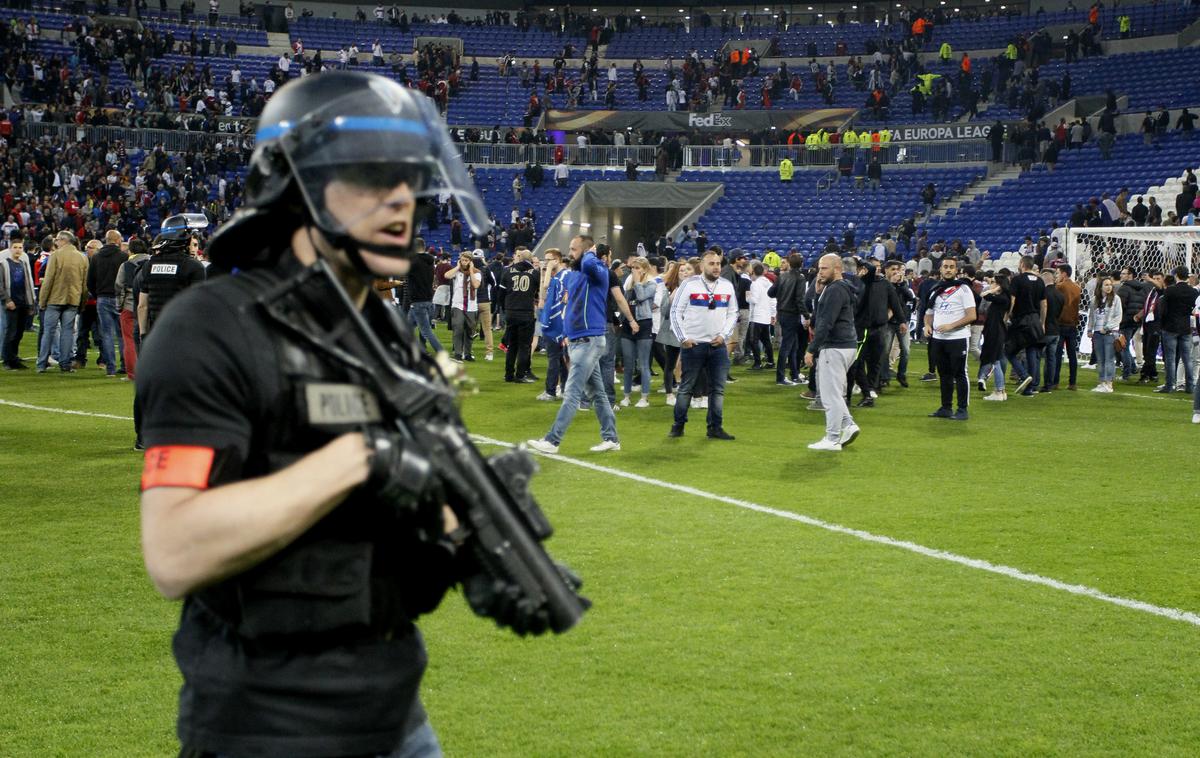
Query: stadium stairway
point(1164, 194)
point(1036, 199)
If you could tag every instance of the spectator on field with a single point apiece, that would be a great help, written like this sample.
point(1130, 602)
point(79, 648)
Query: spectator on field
point(126, 295)
point(1177, 302)
point(1026, 325)
point(1068, 325)
point(831, 350)
point(464, 305)
point(62, 294)
point(677, 272)
point(947, 325)
point(640, 289)
point(996, 303)
point(101, 281)
point(703, 317)
point(16, 300)
point(1104, 321)
point(762, 316)
point(1055, 301)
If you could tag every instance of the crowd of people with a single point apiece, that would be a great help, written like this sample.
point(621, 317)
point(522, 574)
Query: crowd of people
point(613, 329)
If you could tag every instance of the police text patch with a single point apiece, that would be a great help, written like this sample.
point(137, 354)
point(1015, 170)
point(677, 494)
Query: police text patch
point(164, 268)
point(336, 404)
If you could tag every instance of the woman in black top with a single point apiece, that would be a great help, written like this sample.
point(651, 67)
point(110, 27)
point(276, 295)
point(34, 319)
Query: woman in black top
point(995, 332)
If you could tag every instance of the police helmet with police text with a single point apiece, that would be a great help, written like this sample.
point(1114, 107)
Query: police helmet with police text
point(359, 128)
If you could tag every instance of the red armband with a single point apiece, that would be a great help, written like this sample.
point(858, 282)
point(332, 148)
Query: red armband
point(177, 466)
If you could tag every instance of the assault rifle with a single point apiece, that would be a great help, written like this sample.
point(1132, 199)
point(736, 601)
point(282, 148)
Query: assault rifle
point(509, 575)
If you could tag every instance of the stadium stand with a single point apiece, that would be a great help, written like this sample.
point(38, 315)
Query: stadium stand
point(1038, 198)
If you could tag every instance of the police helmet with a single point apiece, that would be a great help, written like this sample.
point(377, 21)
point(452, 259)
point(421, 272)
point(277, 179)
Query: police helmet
point(176, 232)
point(360, 128)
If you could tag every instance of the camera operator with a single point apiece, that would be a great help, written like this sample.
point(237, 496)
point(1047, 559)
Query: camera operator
point(277, 501)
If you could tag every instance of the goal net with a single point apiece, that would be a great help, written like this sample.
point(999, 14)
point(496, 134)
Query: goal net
point(1096, 251)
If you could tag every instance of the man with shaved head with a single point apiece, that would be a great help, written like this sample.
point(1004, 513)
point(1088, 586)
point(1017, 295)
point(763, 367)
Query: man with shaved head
point(102, 283)
point(832, 349)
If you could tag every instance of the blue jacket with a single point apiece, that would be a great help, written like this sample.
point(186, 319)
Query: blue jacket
point(586, 308)
point(551, 316)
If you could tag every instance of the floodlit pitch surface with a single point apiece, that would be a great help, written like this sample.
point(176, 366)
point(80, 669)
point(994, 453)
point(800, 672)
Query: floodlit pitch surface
point(718, 629)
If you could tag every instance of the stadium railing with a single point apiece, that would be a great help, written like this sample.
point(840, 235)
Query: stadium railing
point(147, 139)
point(487, 154)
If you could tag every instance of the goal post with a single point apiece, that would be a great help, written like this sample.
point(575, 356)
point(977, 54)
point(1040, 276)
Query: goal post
point(1096, 250)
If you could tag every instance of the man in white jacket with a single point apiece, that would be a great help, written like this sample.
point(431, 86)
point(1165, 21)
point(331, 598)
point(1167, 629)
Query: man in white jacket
point(762, 316)
point(703, 316)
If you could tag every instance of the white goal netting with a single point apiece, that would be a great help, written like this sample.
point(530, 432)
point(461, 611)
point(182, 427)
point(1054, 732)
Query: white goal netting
point(1095, 251)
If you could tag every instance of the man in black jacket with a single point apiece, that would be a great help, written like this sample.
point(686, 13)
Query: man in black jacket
point(1028, 326)
point(101, 282)
point(834, 340)
point(1132, 292)
point(1177, 303)
point(1054, 305)
point(898, 323)
point(789, 308)
point(1151, 321)
point(876, 303)
point(520, 288)
point(419, 286)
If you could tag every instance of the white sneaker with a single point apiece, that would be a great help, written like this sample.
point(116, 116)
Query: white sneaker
point(1098, 388)
point(695, 402)
point(605, 446)
point(488, 357)
point(542, 446)
point(625, 402)
point(874, 395)
point(826, 444)
point(671, 399)
point(1108, 387)
point(998, 397)
point(849, 434)
point(704, 402)
point(1196, 418)
point(643, 403)
point(547, 396)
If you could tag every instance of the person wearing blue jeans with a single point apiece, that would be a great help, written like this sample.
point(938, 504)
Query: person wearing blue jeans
point(703, 317)
point(421, 316)
point(585, 354)
point(62, 319)
point(106, 316)
point(1178, 300)
point(713, 361)
point(585, 326)
point(1177, 347)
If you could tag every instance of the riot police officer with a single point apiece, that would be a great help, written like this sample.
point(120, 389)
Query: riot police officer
point(303, 543)
point(171, 268)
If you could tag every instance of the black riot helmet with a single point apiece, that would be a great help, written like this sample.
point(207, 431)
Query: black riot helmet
point(176, 232)
point(362, 129)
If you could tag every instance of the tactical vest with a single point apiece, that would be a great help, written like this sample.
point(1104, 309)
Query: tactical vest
point(362, 572)
point(164, 279)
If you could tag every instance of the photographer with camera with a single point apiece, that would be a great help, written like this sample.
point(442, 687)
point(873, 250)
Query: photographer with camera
point(464, 305)
point(302, 448)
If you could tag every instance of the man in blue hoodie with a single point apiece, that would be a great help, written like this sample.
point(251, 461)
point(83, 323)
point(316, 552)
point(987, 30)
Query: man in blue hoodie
point(585, 322)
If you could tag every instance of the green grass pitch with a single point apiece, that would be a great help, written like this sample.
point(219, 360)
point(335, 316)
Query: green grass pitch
point(716, 630)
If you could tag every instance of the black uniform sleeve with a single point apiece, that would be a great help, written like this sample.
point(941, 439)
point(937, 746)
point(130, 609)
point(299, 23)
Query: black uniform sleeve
point(202, 378)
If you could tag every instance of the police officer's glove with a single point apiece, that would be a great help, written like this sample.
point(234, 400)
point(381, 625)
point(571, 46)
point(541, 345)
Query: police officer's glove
point(401, 475)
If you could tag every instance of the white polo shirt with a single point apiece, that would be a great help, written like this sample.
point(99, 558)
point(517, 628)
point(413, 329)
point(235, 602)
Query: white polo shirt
point(949, 306)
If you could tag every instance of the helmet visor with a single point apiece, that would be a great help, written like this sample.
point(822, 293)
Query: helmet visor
point(360, 173)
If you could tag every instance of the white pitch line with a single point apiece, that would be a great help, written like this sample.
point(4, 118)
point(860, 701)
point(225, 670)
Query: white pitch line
point(28, 407)
point(1012, 573)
